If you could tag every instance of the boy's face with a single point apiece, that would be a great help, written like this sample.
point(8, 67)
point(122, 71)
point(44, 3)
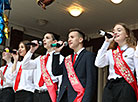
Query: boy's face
point(48, 40)
point(74, 39)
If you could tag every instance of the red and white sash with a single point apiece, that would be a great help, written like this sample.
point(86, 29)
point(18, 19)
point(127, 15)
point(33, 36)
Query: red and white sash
point(124, 70)
point(52, 87)
point(74, 79)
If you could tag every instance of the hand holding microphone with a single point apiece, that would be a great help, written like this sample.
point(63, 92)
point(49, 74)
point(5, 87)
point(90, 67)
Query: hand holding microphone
point(108, 35)
point(103, 33)
point(59, 45)
point(15, 55)
point(10, 51)
point(34, 45)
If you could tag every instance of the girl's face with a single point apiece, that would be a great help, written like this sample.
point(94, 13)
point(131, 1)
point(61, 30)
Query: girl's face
point(22, 49)
point(6, 55)
point(120, 34)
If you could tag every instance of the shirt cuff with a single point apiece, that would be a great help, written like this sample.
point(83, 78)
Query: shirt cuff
point(56, 53)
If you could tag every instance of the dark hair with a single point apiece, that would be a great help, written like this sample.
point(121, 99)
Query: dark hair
point(82, 34)
point(3, 50)
point(6, 47)
point(26, 47)
point(130, 40)
point(54, 35)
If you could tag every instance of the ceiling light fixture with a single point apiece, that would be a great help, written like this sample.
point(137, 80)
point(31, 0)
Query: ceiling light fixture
point(116, 1)
point(75, 10)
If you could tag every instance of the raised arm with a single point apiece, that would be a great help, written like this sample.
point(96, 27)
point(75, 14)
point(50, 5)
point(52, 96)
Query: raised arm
point(15, 57)
point(27, 63)
point(102, 55)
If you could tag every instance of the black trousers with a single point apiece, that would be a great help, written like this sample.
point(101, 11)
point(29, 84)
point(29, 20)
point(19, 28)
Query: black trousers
point(23, 96)
point(0, 95)
point(64, 97)
point(41, 96)
point(8, 95)
point(118, 91)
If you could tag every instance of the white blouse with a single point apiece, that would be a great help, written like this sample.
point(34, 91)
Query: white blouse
point(26, 79)
point(35, 64)
point(105, 57)
point(8, 82)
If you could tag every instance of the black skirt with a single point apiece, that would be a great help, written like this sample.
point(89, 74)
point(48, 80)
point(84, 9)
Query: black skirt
point(118, 91)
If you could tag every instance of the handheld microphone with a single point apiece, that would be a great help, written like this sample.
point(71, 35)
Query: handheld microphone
point(103, 33)
point(10, 51)
point(58, 45)
point(14, 52)
point(34, 44)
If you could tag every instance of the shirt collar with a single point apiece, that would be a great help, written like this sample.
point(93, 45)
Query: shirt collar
point(79, 51)
point(50, 52)
point(124, 47)
point(9, 64)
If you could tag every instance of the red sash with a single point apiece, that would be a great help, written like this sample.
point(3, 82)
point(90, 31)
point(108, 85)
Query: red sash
point(52, 87)
point(3, 74)
point(74, 79)
point(124, 69)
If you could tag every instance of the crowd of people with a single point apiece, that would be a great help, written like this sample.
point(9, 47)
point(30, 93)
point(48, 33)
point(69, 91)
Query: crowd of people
point(56, 78)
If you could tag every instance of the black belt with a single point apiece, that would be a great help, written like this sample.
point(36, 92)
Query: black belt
point(114, 81)
point(6, 88)
point(40, 91)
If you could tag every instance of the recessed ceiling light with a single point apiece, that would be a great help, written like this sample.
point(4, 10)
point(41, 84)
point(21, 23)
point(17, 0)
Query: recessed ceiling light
point(116, 1)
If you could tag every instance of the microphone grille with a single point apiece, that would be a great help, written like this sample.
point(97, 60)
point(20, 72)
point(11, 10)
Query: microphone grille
point(65, 43)
point(101, 32)
point(40, 43)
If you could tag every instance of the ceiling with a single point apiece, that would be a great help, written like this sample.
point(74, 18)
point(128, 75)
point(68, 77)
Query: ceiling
point(98, 14)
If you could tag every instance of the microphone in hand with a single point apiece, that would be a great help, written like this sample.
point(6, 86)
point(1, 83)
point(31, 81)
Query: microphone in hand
point(10, 51)
point(59, 45)
point(34, 44)
point(103, 33)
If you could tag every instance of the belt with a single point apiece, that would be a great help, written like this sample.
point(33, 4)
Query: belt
point(41, 91)
point(6, 88)
point(114, 81)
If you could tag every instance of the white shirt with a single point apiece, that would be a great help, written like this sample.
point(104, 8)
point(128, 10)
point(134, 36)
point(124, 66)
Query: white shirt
point(8, 82)
point(26, 79)
point(105, 57)
point(79, 52)
point(35, 64)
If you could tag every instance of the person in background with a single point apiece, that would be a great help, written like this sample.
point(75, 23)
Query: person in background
point(23, 80)
point(121, 85)
point(78, 70)
point(6, 92)
point(45, 82)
